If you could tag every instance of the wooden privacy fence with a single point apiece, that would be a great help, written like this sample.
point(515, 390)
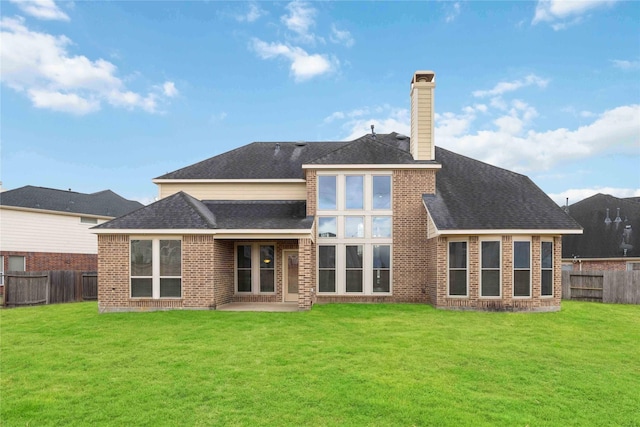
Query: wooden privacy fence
point(621, 287)
point(49, 287)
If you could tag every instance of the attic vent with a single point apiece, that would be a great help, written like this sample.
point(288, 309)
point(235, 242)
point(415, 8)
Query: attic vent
point(300, 144)
point(401, 137)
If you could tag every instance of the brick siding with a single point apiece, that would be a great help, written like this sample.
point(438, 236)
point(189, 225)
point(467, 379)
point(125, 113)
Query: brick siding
point(43, 261)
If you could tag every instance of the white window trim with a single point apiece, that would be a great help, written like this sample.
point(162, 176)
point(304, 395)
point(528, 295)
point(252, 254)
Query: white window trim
point(491, 239)
point(1, 270)
point(513, 268)
point(547, 240)
point(155, 267)
point(449, 269)
point(255, 268)
point(367, 241)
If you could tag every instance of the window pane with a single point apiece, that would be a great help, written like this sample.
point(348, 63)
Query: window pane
point(326, 192)
point(381, 226)
point(521, 281)
point(244, 256)
point(381, 256)
point(267, 281)
point(547, 282)
point(457, 282)
point(266, 257)
point(381, 281)
point(244, 280)
point(354, 226)
point(327, 281)
point(141, 258)
point(491, 283)
point(16, 263)
point(354, 256)
point(354, 280)
point(327, 257)
point(141, 288)
point(353, 192)
point(547, 255)
point(521, 254)
point(457, 254)
point(170, 258)
point(381, 192)
point(327, 226)
point(490, 254)
point(170, 288)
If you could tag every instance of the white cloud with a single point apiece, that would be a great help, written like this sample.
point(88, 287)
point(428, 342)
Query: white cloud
point(253, 14)
point(300, 20)
point(626, 65)
point(341, 37)
point(41, 65)
point(577, 194)
point(564, 13)
point(42, 9)
point(453, 12)
point(385, 119)
point(303, 66)
point(504, 87)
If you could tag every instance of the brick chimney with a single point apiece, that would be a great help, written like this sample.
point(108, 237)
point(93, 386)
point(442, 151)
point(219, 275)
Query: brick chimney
point(422, 144)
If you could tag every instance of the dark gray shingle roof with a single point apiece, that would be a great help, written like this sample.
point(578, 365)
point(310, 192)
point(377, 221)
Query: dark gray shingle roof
point(182, 211)
point(472, 195)
point(600, 240)
point(103, 203)
point(366, 151)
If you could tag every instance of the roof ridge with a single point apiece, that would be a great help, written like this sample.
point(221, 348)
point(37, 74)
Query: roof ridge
point(205, 214)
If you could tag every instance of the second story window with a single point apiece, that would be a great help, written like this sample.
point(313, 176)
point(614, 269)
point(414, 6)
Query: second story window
point(327, 192)
point(381, 197)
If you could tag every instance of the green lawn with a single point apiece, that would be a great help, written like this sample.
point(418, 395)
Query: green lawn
point(339, 365)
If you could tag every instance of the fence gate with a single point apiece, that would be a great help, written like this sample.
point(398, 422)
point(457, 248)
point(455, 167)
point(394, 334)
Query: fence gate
point(26, 289)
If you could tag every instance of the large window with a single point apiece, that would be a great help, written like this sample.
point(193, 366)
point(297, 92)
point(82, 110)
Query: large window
point(546, 263)
point(490, 269)
point(457, 269)
point(156, 268)
point(255, 268)
point(354, 233)
point(521, 269)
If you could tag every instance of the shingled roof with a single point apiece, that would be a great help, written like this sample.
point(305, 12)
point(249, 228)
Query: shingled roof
point(472, 195)
point(103, 203)
point(601, 238)
point(181, 211)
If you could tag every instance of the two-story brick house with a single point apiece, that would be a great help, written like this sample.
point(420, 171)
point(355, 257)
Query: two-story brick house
point(383, 218)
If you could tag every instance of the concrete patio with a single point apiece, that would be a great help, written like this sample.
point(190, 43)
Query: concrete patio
point(259, 306)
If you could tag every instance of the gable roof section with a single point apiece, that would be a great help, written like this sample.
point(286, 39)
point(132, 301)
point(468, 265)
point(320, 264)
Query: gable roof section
point(604, 239)
point(472, 195)
point(181, 211)
point(367, 151)
point(103, 203)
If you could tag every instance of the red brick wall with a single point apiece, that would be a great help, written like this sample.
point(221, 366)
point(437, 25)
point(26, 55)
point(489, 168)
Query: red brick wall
point(197, 272)
point(43, 261)
point(113, 272)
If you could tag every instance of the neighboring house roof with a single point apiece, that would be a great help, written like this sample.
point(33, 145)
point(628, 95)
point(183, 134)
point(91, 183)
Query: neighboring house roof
point(103, 203)
point(472, 195)
point(602, 238)
point(181, 211)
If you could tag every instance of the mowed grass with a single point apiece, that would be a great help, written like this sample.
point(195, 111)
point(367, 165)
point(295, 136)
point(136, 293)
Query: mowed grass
point(340, 365)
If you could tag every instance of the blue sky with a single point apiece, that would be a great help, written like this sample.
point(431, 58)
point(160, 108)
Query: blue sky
point(110, 94)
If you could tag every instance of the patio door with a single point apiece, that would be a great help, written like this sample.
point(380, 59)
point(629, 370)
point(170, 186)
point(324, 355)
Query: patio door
point(290, 276)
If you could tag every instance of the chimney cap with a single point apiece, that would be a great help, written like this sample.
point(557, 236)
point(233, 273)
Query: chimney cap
point(423, 76)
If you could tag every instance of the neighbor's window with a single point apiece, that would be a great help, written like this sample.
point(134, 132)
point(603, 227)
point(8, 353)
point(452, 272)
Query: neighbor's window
point(457, 268)
point(327, 192)
point(354, 226)
point(546, 264)
point(490, 272)
point(354, 196)
point(156, 268)
point(381, 268)
point(255, 268)
point(633, 266)
point(16, 263)
point(521, 269)
point(88, 220)
point(326, 268)
point(327, 226)
point(381, 198)
point(1, 270)
point(354, 268)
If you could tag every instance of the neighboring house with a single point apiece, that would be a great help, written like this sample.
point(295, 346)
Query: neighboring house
point(611, 238)
point(48, 229)
point(383, 218)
